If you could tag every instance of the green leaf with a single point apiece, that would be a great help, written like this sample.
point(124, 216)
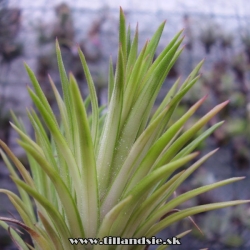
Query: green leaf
point(146, 225)
point(192, 75)
point(128, 42)
point(191, 146)
point(184, 197)
point(151, 49)
point(51, 232)
point(63, 192)
point(132, 55)
point(111, 217)
point(93, 98)
point(157, 148)
point(118, 185)
point(88, 163)
point(63, 112)
point(39, 91)
point(147, 207)
point(189, 212)
point(130, 130)
point(144, 187)
point(57, 219)
point(169, 96)
point(111, 80)
point(21, 207)
point(63, 149)
point(22, 170)
point(14, 235)
point(24, 196)
point(122, 35)
point(41, 241)
point(66, 92)
point(133, 85)
point(110, 129)
point(176, 146)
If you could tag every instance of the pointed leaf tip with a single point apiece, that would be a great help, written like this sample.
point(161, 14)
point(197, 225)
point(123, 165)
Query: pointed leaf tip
point(121, 11)
point(196, 153)
point(71, 74)
point(49, 77)
point(240, 178)
point(223, 104)
point(205, 96)
point(215, 150)
point(57, 45)
point(25, 64)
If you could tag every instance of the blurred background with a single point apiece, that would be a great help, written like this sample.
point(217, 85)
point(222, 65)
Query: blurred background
point(218, 31)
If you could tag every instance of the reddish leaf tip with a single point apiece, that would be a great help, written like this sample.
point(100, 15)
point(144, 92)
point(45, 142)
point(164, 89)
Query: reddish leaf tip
point(78, 46)
point(224, 103)
point(205, 96)
point(121, 11)
point(241, 177)
point(201, 100)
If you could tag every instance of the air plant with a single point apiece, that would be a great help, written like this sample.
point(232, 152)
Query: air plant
point(246, 42)
point(109, 173)
point(209, 37)
point(4, 124)
point(10, 22)
point(226, 40)
point(188, 32)
point(64, 28)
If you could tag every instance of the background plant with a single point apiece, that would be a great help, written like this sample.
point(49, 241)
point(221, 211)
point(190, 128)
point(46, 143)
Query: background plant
point(96, 172)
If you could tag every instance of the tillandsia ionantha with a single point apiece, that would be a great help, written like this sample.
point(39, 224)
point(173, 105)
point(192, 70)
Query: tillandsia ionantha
point(114, 172)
